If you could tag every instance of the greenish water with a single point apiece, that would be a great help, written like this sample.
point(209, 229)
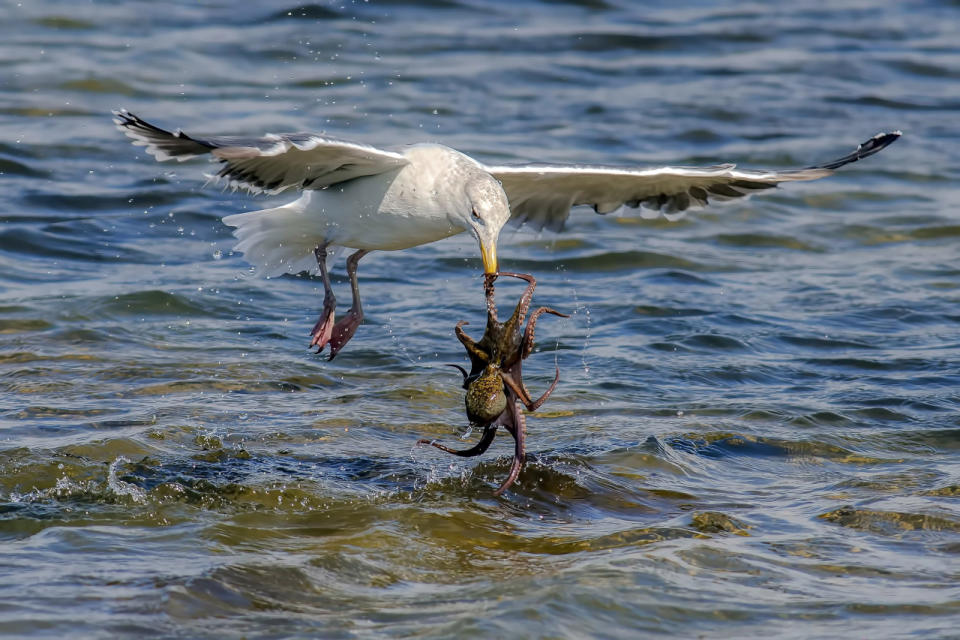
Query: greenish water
point(756, 431)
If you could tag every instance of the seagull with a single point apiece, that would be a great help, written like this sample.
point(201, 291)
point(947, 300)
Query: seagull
point(368, 199)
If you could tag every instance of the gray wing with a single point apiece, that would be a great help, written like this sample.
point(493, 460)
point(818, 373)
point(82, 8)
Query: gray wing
point(272, 163)
point(541, 195)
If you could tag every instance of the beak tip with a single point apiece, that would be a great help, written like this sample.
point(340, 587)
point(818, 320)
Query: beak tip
point(489, 255)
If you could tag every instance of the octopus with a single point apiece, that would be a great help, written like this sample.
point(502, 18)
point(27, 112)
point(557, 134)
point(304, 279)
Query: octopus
point(494, 384)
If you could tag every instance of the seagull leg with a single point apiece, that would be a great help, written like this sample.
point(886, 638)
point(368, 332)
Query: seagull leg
point(320, 334)
point(347, 326)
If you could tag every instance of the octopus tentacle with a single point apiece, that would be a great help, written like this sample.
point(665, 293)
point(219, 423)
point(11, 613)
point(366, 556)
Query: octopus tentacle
point(516, 320)
point(488, 281)
point(488, 434)
point(518, 430)
point(546, 394)
point(531, 328)
point(517, 387)
point(470, 344)
point(462, 371)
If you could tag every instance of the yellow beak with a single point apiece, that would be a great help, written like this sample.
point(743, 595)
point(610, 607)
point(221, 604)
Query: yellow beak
point(489, 254)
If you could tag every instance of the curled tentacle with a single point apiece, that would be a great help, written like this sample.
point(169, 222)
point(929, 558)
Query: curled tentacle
point(531, 328)
point(463, 372)
point(515, 468)
point(462, 336)
point(517, 429)
point(473, 349)
point(488, 434)
point(516, 320)
point(546, 394)
point(516, 385)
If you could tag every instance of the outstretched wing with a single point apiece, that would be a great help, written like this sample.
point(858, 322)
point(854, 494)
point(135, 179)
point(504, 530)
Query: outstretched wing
point(272, 163)
point(541, 195)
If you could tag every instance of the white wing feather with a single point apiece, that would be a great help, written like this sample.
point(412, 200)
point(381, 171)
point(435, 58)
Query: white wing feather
point(542, 195)
point(272, 163)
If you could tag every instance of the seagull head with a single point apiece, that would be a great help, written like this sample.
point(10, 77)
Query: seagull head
point(486, 212)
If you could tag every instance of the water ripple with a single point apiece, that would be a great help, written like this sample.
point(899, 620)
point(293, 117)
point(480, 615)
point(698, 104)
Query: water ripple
point(757, 414)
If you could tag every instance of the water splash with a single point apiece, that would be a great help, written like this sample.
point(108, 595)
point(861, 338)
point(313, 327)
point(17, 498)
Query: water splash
point(577, 308)
point(399, 345)
point(121, 488)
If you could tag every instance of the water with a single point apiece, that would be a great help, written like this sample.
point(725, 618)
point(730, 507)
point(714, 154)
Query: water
point(756, 431)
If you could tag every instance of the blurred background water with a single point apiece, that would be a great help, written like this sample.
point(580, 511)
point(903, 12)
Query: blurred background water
point(756, 431)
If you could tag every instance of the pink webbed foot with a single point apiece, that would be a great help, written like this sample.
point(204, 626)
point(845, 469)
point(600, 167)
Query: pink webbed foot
point(322, 331)
point(341, 332)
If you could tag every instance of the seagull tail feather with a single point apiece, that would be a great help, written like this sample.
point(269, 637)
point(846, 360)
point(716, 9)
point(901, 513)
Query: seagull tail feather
point(275, 241)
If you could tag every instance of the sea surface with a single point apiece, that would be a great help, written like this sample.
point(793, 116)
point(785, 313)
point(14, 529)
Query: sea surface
point(756, 433)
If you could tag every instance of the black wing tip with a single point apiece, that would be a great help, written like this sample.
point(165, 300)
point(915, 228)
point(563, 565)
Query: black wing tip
point(160, 143)
point(874, 145)
point(123, 118)
point(126, 120)
point(134, 125)
point(878, 142)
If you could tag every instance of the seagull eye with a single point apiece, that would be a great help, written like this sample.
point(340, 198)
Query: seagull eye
point(476, 216)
